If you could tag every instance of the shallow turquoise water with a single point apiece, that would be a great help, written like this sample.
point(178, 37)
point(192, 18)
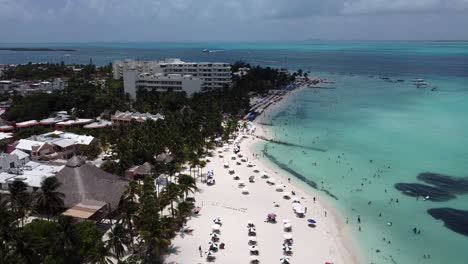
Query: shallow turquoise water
point(404, 131)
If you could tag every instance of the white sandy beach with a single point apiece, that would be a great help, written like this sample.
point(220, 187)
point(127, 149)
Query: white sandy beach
point(327, 242)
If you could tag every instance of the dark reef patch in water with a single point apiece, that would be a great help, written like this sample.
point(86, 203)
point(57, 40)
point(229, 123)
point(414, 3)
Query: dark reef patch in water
point(422, 190)
point(291, 144)
point(454, 219)
point(298, 175)
point(449, 183)
point(438, 187)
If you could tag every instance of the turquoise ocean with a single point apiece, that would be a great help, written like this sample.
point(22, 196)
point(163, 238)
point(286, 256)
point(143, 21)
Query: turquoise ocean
point(373, 144)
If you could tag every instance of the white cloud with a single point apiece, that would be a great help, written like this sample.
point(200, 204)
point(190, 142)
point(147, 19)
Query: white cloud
point(403, 6)
point(211, 19)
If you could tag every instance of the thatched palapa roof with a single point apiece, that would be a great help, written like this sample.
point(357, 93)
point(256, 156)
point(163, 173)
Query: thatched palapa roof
point(82, 182)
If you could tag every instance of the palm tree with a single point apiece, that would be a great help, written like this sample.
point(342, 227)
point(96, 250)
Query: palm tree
point(172, 193)
point(20, 199)
point(102, 256)
point(118, 241)
point(155, 239)
point(132, 192)
point(49, 199)
point(202, 165)
point(187, 184)
point(184, 209)
point(65, 237)
point(127, 217)
point(7, 230)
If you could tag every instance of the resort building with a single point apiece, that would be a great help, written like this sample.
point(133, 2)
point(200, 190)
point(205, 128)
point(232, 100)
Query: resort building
point(213, 75)
point(53, 145)
point(98, 124)
point(32, 174)
point(127, 117)
point(160, 82)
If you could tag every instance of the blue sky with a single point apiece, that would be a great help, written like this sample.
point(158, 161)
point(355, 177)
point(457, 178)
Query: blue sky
point(230, 20)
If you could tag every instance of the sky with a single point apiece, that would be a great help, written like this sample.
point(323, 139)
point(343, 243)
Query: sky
point(231, 20)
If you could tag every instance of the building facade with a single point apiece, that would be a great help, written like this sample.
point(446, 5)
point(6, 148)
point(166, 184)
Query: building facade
point(159, 82)
point(213, 75)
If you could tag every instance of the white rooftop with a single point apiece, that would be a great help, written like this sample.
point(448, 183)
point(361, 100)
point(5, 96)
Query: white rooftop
point(4, 135)
point(99, 124)
point(59, 136)
point(21, 154)
point(32, 173)
point(26, 144)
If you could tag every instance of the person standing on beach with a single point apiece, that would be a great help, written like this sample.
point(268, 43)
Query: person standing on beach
point(200, 250)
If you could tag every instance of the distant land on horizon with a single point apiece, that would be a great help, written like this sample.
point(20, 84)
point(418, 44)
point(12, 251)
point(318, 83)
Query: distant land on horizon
point(35, 49)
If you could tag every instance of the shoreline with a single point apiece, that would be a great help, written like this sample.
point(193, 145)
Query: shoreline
point(343, 235)
point(324, 242)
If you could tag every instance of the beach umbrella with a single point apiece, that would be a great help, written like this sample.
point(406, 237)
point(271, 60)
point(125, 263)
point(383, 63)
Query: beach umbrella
point(287, 248)
point(241, 183)
point(287, 236)
point(214, 235)
point(286, 194)
point(279, 187)
point(251, 229)
point(300, 211)
point(212, 244)
point(233, 156)
point(287, 225)
point(285, 221)
point(311, 221)
point(239, 155)
point(226, 165)
point(265, 174)
point(250, 223)
point(284, 260)
point(236, 177)
point(215, 227)
point(253, 248)
point(252, 239)
point(253, 258)
point(256, 171)
point(245, 190)
point(296, 206)
point(296, 200)
point(271, 215)
point(271, 181)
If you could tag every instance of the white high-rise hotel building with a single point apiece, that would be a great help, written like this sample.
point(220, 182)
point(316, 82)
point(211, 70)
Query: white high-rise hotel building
point(171, 74)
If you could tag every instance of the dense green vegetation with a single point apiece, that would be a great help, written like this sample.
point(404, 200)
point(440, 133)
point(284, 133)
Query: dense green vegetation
point(47, 71)
point(82, 98)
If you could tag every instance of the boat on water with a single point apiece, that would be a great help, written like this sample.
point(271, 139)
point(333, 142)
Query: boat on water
point(206, 50)
point(67, 55)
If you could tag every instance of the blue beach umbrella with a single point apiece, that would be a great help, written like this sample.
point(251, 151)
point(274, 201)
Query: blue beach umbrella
point(311, 221)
